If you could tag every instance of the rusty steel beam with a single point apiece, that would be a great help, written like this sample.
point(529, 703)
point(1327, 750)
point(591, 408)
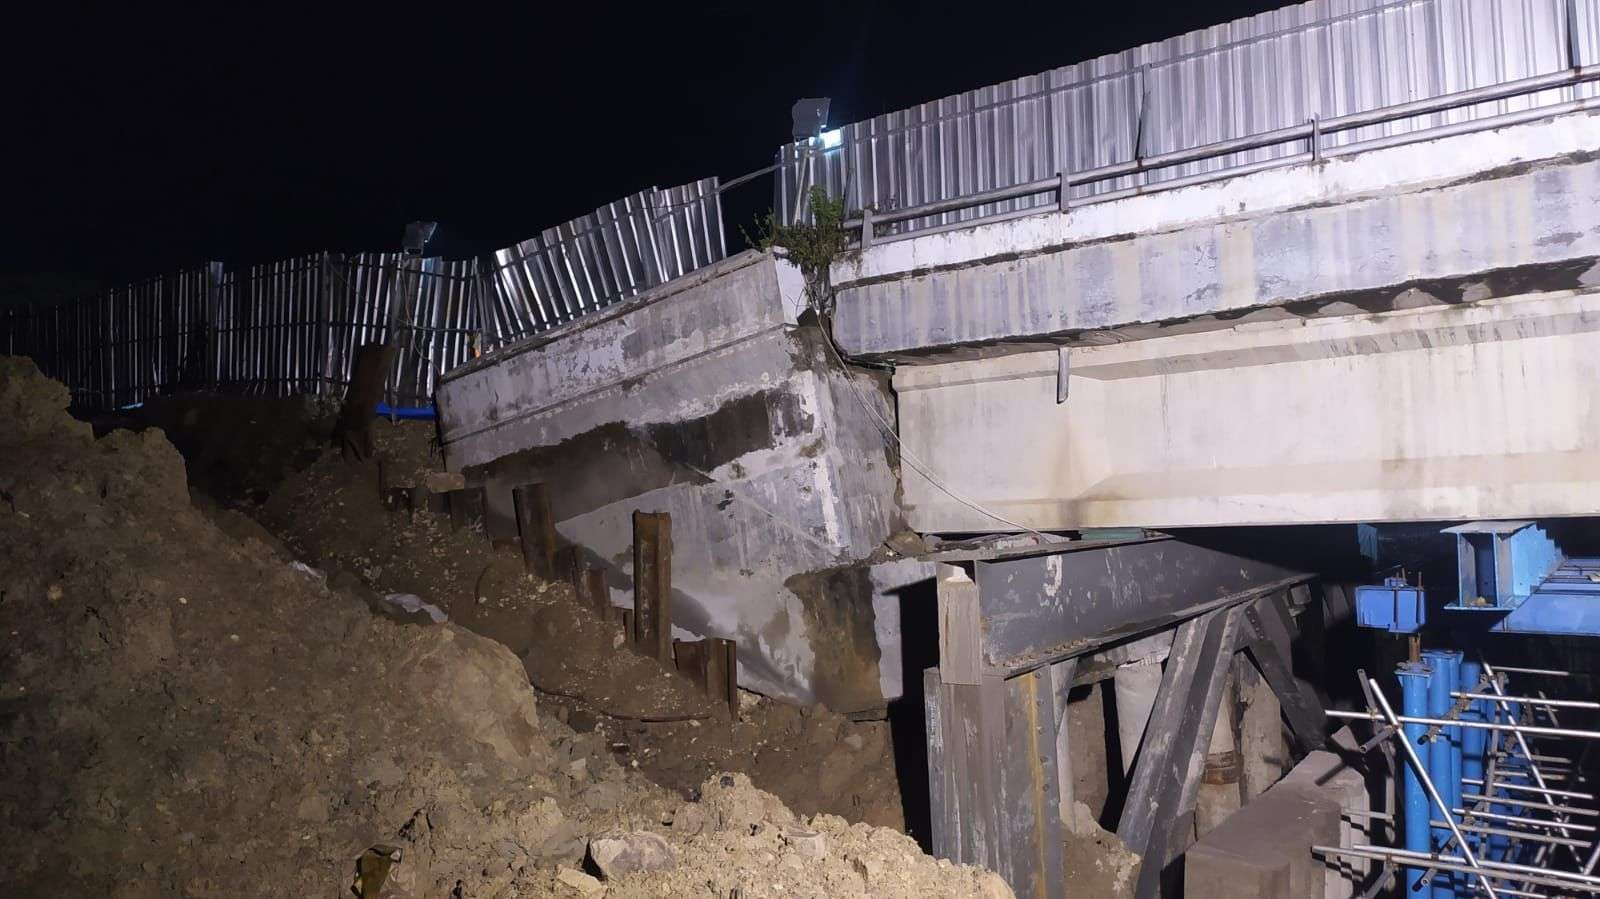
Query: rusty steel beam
point(652, 584)
point(536, 529)
point(1062, 603)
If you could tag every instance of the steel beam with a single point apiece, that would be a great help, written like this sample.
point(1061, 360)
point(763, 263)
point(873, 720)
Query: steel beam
point(993, 777)
point(652, 584)
point(1270, 631)
point(1158, 816)
point(1042, 608)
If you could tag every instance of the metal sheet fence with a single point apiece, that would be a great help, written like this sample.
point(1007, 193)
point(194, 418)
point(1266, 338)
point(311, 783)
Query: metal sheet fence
point(1278, 69)
point(282, 328)
point(618, 251)
point(293, 326)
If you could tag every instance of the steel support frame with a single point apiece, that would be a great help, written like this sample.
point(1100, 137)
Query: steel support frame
point(1158, 815)
point(1016, 634)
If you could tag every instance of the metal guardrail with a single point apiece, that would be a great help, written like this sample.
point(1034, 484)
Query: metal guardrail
point(1313, 133)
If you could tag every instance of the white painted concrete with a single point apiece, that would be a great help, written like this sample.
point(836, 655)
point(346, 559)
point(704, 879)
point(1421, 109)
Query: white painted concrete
point(1343, 179)
point(1478, 410)
point(1451, 209)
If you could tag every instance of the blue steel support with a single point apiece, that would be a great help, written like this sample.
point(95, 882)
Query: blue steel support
point(1474, 742)
point(1455, 740)
point(1414, 678)
point(1441, 754)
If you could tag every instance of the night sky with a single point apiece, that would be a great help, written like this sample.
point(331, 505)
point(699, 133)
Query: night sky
point(140, 143)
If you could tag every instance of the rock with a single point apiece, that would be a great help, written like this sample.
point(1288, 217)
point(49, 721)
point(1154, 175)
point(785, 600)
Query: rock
point(578, 769)
point(313, 809)
point(620, 854)
point(603, 796)
point(444, 481)
point(410, 608)
point(512, 852)
point(871, 870)
point(805, 843)
point(990, 886)
point(906, 543)
point(579, 882)
point(690, 819)
point(855, 741)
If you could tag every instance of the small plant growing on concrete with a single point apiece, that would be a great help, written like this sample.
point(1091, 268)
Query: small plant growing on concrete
point(810, 245)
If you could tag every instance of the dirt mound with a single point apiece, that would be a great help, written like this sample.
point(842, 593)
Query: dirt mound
point(752, 846)
point(184, 713)
point(813, 759)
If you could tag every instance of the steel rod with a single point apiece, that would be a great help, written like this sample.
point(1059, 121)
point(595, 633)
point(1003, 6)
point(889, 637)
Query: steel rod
point(1501, 785)
point(1529, 730)
point(1553, 703)
point(1522, 819)
point(1545, 672)
point(1542, 806)
point(1517, 834)
point(1496, 870)
point(1522, 743)
point(1427, 784)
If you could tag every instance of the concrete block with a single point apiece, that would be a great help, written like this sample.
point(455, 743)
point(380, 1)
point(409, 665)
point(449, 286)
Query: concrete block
point(1264, 851)
point(1328, 773)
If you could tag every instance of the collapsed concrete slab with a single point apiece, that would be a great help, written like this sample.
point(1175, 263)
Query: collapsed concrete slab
point(707, 400)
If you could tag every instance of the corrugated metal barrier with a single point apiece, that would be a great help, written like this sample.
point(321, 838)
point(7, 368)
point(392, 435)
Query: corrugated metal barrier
point(1322, 59)
point(293, 326)
point(611, 254)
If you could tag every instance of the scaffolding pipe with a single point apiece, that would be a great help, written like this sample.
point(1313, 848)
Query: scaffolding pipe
point(1433, 794)
point(1484, 870)
point(1551, 703)
point(1518, 834)
point(1526, 729)
point(1509, 708)
point(1523, 819)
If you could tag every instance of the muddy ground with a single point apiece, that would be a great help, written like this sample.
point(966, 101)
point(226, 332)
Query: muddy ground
point(188, 710)
point(816, 761)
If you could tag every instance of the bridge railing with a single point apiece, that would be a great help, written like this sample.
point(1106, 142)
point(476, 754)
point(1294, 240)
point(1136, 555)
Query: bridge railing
point(1229, 87)
point(1315, 135)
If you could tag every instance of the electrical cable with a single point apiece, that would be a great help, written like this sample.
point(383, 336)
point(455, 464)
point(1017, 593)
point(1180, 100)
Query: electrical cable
point(906, 455)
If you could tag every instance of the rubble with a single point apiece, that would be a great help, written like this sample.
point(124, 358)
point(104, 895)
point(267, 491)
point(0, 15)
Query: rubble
point(620, 854)
point(189, 715)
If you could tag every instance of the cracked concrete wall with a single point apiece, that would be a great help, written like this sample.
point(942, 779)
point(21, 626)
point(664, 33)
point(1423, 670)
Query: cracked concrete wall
point(705, 400)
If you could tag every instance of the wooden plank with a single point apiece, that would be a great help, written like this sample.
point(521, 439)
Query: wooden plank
point(960, 643)
point(1158, 815)
point(652, 584)
point(536, 529)
point(1270, 633)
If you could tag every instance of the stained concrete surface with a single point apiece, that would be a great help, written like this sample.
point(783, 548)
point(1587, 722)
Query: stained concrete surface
point(706, 401)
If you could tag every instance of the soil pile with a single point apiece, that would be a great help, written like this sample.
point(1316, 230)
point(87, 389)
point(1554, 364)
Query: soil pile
point(187, 713)
point(814, 760)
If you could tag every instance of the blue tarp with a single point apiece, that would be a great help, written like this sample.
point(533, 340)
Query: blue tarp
point(387, 411)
